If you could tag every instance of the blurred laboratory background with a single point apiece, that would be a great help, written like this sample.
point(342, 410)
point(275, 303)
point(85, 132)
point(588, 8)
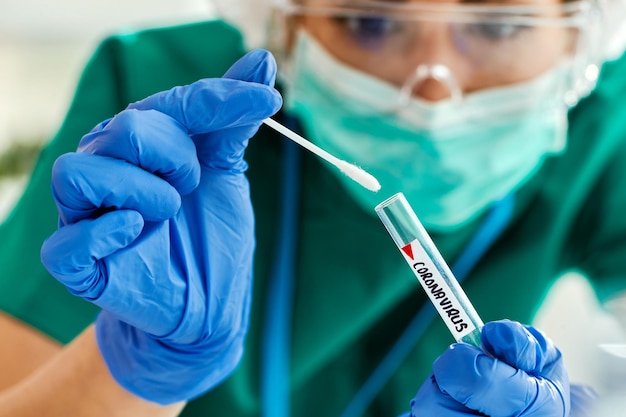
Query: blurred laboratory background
point(44, 45)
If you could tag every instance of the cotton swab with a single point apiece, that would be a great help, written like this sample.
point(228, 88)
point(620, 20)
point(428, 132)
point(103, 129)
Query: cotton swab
point(354, 172)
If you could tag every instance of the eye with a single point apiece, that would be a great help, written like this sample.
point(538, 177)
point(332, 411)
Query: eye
point(495, 31)
point(369, 31)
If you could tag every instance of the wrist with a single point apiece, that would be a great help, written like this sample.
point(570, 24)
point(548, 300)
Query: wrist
point(58, 389)
point(160, 370)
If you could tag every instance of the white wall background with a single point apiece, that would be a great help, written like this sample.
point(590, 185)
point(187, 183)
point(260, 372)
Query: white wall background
point(43, 46)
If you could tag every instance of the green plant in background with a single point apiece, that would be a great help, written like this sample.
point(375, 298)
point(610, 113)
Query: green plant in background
point(18, 159)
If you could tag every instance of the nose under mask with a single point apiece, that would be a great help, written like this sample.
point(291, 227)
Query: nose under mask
point(438, 73)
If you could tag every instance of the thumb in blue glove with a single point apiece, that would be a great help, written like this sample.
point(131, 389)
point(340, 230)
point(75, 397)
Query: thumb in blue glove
point(155, 212)
point(522, 374)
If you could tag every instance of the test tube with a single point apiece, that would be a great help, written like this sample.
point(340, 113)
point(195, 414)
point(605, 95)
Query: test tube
point(431, 270)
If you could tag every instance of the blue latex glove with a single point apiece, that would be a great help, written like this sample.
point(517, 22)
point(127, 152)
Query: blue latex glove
point(157, 229)
point(523, 376)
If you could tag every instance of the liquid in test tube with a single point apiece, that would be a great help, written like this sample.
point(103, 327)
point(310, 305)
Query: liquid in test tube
point(431, 270)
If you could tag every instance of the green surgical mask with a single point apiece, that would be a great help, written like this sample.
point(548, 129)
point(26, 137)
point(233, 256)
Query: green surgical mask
point(451, 160)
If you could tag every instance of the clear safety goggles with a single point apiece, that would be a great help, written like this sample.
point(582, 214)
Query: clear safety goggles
point(465, 46)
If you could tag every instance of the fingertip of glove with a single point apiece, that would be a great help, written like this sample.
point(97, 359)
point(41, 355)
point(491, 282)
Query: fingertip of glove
point(501, 332)
point(166, 209)
point(451, 358)
point(257, 66)
point(132, 223)
point(277, 102)
point(252, 104)
point(70, 253)
point(512, 343)
point(64, 166)
point(459, 371)
point(45, 254)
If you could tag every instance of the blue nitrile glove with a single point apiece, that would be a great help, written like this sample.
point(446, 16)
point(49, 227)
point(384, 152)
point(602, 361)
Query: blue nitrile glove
point(156, 228)
point(522, 376)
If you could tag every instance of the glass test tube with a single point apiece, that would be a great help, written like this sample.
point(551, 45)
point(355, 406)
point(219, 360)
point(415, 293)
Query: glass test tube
point(431, 270)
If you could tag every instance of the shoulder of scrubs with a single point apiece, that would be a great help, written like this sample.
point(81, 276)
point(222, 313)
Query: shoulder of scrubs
point(601, 223)
point(123, 69)
point(570, 216)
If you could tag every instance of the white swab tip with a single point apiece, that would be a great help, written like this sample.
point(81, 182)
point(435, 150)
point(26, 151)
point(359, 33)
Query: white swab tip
point(364, 178)
point(357, 174)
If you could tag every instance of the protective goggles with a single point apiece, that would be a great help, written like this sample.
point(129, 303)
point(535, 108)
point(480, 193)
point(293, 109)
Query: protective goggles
point(481, 45)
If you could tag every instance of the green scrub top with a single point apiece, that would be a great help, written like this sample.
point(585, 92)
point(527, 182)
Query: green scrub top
point(354, 293)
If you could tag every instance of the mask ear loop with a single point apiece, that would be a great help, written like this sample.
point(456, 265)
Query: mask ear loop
point(437, 72)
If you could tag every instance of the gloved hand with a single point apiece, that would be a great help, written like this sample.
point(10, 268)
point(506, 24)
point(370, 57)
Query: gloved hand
point(522, 375)
point(156, 228)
